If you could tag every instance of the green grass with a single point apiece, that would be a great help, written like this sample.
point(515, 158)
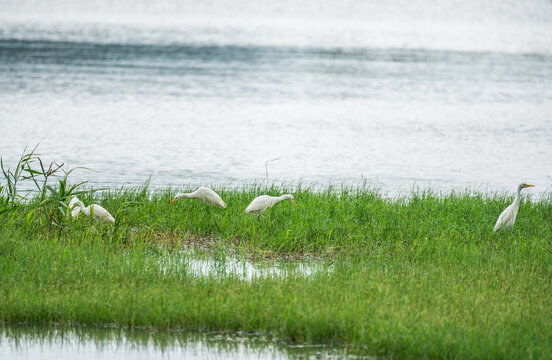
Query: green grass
point(417, 276)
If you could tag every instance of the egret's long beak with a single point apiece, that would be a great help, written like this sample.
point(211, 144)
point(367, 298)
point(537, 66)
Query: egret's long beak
point(173, 200)
point(293, 201)
point(530, 185)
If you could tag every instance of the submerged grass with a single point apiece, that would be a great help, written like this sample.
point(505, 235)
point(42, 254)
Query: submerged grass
point(417, 276)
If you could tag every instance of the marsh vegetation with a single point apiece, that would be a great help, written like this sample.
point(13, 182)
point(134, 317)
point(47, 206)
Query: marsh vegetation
point(416, 276)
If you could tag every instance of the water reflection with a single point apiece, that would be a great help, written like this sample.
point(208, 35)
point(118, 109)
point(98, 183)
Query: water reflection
point(49, 342)
point(216, 265)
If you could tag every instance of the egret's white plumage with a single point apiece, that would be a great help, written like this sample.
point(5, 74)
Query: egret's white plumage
point(263, 202)
point(75, 210)
point(204, 194)
point(96, 211)
point(508, 216)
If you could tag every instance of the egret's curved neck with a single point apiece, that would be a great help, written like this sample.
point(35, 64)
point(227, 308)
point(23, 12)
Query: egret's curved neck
point(517, 200)
point(77, 208)
point(284, 197)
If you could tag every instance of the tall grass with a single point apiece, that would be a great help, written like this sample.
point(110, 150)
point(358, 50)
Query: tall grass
point(50, 203)
point(346, 220)
point(415, 276)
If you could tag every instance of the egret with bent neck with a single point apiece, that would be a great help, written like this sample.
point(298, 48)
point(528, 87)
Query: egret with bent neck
point(204, 194)
point(263, 202)
point(96, 211)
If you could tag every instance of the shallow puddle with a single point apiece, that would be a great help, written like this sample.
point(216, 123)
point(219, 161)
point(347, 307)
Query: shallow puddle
point(231, 266)
point(83, 343)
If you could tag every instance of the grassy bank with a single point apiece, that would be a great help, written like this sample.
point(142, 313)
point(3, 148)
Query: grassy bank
point(419, 276)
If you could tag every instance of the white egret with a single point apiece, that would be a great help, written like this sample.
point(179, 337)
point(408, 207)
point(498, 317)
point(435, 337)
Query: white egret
point(263, 202)
point(75, 210)
point(96, 211)
point(508, 216)
point(204, 194)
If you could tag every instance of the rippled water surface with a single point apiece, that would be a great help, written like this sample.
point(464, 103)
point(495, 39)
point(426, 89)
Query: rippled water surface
point(400, 93)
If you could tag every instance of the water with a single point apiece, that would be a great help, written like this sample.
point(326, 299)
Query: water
point(402, 93)
point(59, 343)
point(192, 263)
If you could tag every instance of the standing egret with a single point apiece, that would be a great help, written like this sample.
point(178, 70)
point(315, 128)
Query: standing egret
point(204, 194)
point(94, 210)
point(508, 216)
point(263, 202)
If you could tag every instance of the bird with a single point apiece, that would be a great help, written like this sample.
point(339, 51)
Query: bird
point(75, 210)
point(508, 216)
point(204, 194)
point(263, 202)
point(98, 212)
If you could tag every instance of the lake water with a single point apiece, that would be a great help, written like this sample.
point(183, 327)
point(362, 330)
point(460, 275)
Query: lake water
point(448, 94)
point(60, 343)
